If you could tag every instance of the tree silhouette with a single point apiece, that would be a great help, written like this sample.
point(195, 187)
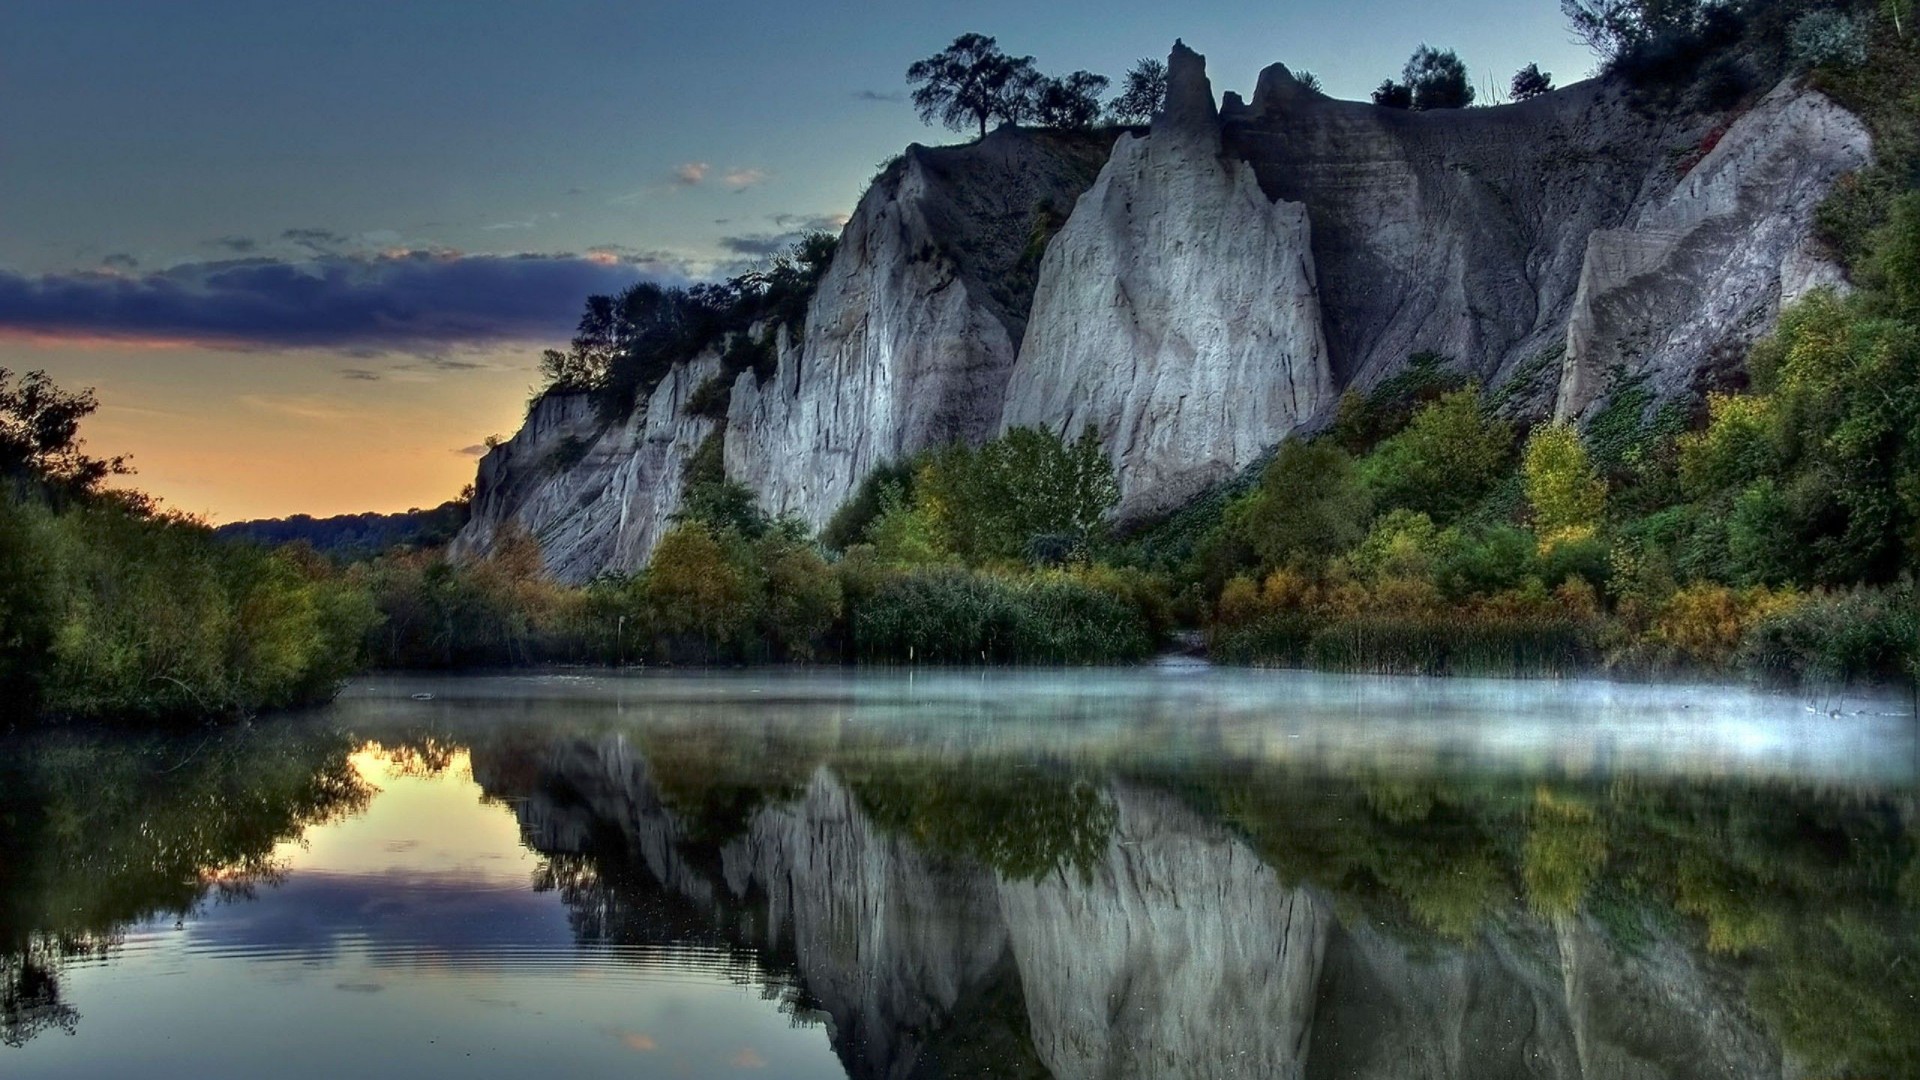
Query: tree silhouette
point(1143, 95)
point(1531, 82)
point(1437, 79)
point(1393, 95)
point(971, 82)
point(1072, 102)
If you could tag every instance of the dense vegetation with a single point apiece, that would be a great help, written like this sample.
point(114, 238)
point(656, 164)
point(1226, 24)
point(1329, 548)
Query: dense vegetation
point(112, 606)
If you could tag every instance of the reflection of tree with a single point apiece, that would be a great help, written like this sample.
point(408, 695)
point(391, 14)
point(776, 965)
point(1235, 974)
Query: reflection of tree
point(99, 832)
point(1807, 895)
point(30, 998)
point(1026, 821)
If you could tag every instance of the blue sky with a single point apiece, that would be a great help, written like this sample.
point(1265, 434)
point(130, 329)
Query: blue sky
point(214, 209)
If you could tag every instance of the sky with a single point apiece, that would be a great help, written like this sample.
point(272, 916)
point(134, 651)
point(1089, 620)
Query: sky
point(308, 255)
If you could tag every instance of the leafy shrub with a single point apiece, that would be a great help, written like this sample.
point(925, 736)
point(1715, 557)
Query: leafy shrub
point(1827, 38)
point(950, 615)
point(1843, 636)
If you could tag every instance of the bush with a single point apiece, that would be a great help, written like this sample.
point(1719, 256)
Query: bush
point(1310, 505)
point(1843, 636)
point(959, 616)
point(1827, 38)
point(1449, 457)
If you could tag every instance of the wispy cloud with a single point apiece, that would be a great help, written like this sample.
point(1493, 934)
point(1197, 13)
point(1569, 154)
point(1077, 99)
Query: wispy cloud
point(301, 407)
point(691, 173)
point(418, 302)
point(476, 450)
point(891, 97)
point(741, 179)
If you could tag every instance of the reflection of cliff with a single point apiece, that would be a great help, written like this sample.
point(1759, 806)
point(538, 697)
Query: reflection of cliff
point(1179, 950)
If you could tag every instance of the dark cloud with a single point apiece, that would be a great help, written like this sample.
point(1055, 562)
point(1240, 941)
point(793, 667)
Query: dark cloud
point(891, 97)
point(239, 245)
point(120, 260)
point(758, 245)
point(360, 374)
point(418, 302)
point(476, 450)
point(316, 239)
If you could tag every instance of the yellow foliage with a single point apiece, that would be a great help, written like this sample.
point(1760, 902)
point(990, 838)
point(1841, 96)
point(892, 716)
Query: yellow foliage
point(1703, 622)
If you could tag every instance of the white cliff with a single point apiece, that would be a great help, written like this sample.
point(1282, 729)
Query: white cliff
point(1218, 284)
point(597, 497)
point(1177, 314)
point(912, 332)
point(1707, 267)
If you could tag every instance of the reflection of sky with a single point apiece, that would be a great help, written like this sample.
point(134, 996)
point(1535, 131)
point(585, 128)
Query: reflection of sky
point(408, 941)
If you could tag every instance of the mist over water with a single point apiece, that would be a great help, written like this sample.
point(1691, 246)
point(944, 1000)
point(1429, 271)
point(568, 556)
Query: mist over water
point(1153, 872)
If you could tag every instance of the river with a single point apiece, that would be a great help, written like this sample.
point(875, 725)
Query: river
point(1162, 871)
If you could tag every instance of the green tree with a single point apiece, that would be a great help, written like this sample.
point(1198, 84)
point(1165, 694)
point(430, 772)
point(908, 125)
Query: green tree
point(1563, 488)
point(1445, 461)
point(1143, 94)
point(971, 82)
point(1393, 95)
point(1311, 505)
point(701, 586)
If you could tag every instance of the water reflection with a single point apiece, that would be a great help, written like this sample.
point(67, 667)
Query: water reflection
point(1111, 875)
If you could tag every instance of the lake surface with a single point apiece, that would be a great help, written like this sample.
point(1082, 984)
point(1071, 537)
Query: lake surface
point(1159, 872)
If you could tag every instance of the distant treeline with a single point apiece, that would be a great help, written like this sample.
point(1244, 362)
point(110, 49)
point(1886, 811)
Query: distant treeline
point(354, 537)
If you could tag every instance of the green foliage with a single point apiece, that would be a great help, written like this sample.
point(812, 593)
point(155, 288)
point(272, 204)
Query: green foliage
point(951, 615)
point(1844, 636)
point(154, 616)
point(703, 588)
point(1449, 456)
point(1310, 506)
point(1021, 493)
point(1437, 79)
point(1364, 419)
point(850, 523)
point(1529, 83)
point(1026, 824)
point(626, 344)
point(1827, 38)
point(1565, 492)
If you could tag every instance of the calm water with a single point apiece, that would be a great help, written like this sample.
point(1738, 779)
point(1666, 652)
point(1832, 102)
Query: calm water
point(1166, 872)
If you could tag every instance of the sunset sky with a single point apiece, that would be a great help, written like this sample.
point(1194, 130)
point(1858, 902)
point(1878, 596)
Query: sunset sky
point(308, 254)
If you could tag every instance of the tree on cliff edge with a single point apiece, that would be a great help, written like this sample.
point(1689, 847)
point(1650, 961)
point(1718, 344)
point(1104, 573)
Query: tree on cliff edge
point(971, 82)
point(1144, 94)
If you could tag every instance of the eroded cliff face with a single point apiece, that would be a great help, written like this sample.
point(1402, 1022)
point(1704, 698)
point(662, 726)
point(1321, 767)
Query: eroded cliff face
point(1219, 282)
point(596, 496)
point(1703, 271)
point(1177, 314)
point(1178, 952)
point(910, 338)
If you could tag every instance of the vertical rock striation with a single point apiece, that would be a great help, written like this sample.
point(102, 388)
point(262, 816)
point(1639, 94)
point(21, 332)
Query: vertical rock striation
point(1706, 268)
point(596, 496)
point(1177, 313)
point(1218, 283)
point(911, 336)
